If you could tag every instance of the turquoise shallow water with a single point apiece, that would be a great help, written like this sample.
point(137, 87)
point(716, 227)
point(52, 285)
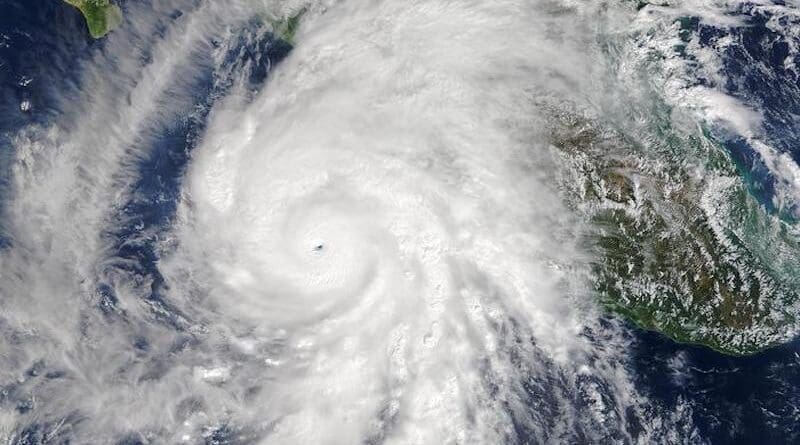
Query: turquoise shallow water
point(717, 398)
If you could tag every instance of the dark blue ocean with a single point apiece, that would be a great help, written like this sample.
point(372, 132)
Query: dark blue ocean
point(734, 400)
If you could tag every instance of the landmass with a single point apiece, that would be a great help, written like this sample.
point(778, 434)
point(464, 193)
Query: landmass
point(102, 16)
point(285, 28)
point(695, 257)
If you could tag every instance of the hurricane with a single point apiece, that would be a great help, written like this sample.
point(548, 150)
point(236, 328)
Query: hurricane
point(384, 222)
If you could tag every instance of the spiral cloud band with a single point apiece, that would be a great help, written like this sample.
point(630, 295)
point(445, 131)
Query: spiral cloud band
point(378, 212)
point(372, 247)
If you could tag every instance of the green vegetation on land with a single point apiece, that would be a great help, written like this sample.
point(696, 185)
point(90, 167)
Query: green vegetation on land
point(101, 16)
point(285, 28)
point(694, 257)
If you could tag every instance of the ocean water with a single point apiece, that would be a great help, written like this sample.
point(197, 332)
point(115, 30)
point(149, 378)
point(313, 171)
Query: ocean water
point(211, 235)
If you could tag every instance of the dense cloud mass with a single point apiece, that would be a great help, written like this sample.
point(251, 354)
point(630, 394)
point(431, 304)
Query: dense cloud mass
point(364, 233)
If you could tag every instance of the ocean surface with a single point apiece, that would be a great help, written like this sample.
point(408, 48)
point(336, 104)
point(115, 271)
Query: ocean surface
point(97, 347)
